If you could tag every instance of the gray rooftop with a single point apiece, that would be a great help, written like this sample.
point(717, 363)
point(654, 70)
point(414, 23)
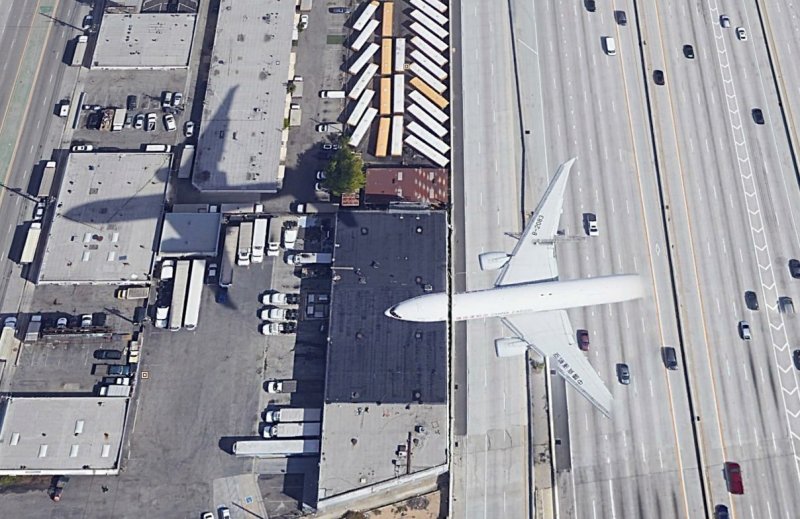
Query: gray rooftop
point(382, 259)
point(190, 234)
point(378, 430)
point(61, 435)
point(144, 41)
point(239, 146)
point(107, 218)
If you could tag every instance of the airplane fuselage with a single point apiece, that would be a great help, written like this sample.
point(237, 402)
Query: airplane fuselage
point(520, 299)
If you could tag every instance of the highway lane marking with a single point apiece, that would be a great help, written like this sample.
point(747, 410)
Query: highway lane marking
point(611, 493)
point(644, 453)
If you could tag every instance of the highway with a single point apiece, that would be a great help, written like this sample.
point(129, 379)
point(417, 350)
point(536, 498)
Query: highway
point(34, 80)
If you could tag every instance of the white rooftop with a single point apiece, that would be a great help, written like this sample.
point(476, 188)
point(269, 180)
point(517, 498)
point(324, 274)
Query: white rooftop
point(106, 220)
point(190, 234)
point(360, 443)
point(239, 146)
point(61, 435)
point(144, 41)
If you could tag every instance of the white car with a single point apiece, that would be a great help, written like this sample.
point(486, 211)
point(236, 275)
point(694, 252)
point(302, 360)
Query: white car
point(38, 211)
point(167, 270)
point(188, 128)
point(224, 513)
point(83, 147)
point(270, 329)
point(303, 22)
point(207, 515)
point(741, 34)
point(10, 322)
point(177, 98)
point(321, 174)
point(62, 322)
point(169, 123)
point(212, 270)
point(591, 225)
point(278, 298)
point(151, 122)
point(86, 320)
point(138, 122)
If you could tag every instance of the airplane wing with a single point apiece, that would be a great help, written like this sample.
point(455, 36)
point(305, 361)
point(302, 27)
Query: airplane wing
point(550, 334)
point(534, 257)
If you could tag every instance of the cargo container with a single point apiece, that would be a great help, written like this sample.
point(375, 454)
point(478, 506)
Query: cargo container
point(430, 38)
point(179, 288)
point(293, 414)
point(259, 239)
point(398, 94)
point(437, 72)
point(387, 17)
point(133, 293)
point(48, 175)
point(80, 50)
point(31, 243)
point(245, 244)
point(293, 430)
point(360, 107)
point(119, 119)
point(430, 139)
point(194, 294)
point(229, 249)
point(276, 448)
point(386, 96)
point(386, 56)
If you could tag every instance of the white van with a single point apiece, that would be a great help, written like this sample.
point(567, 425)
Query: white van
point(611, 46)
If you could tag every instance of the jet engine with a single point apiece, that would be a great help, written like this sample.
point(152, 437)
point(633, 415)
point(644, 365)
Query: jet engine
point(493, 260)
point(510, 347)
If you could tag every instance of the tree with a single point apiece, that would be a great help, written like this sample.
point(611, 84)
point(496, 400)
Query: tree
point(345, 172)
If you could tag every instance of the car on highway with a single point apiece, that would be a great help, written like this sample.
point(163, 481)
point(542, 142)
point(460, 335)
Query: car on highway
point(786, 305)
point(132, 102)
point(623, 374)
point(621, 18)
point(303, 25)
point(794, 268)
point(583, 340)
point(88, 20)
point(591, 6)
point(724, 21)
point(688, 51)
point(151, 122)
point(733, 477)
point(670, 357)
point(321, 176)
point(751, 300)
point(169, 123)
point(758, 116)
point(10, 322)
point(138, 122)
point(107, 354)
point(188, 128)
point(741, 34)
point(796, 358)
point(744, 330)
point(658, 77)
point(83, 147)
point(340, 10)
point(591, 224)
point(721, 512)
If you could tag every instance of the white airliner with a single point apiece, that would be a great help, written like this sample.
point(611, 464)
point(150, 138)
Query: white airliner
point(531, 301)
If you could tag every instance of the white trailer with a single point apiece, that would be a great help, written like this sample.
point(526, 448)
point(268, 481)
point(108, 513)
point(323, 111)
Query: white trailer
point(245, 244)
point(434, 156)
point(432, 54)
point(366, 33)
point(259, 240)
point(436, 4)
point(48, 176)
point(427, 77)
point(293, 414)
point(432, 110)
point(276, 448)
point(306, 5)
point(365, 15)
point(179, 286)
point(360, 107)
point(194, 294)
point(397, 136)
point(118, 122)
point(363, 81)
point(429, 65)
point(429, 138)
point(293, 430)
point(229, 247)
point(364, 58)
point(429, 24)
point(400, 55)
point(398, 94)
point(423, 6)
point(187, 161)
point(31, 243)
point(430, 38)
point(363, 126)
point(80, 51)
point(423, 117)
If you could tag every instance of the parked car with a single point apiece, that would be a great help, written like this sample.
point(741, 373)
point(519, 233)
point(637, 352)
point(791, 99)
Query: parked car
point(119, 370)
point(58, 485)
point(107, 354)
point(61, 322)
point(303, 25)
point(169, 123)
point(83, 147)
point(221, 296)
point(138, 122)
point(151, 122)
point(321, 176)
point(212, 270)
point(188, 128)
point(339, 10)
point(177, 99)
point(38, 211)
point(86, 320)
point(132, 103)
point(88, 20)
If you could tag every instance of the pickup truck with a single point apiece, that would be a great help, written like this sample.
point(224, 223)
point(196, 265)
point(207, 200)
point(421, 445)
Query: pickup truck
point(281, 386)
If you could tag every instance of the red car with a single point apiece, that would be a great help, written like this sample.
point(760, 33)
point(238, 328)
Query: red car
point(583, 340)
point(733, 477)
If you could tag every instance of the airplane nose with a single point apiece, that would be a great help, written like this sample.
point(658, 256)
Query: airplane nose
point(391, 313)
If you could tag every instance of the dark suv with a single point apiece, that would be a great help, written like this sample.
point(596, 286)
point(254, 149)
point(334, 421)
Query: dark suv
point(133, 102)
point(670, 357)
point(751, 300)
point(583, 340)
point(623, 374)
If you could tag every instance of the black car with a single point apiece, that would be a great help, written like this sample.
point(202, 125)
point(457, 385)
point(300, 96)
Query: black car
point(796, 358)
point(658, 77)
point(133, 102)
point(590, 6)
point(107, 354)
point(119, 370)
point(794, 268)
point(751, 300)
point(758, 116)
point(340, 10)
point(688, 51)
point(721, 512)
point(621, 17)
point(583, 340)
point(623, 374)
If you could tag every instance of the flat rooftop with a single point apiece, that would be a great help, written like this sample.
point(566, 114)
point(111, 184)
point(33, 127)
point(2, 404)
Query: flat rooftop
point(382, 258)
point(190, 234)
point(360, 444)
point(106, 220)
point(144, 41)
point(403, 184)
point(61, 435)
point(239, 147)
